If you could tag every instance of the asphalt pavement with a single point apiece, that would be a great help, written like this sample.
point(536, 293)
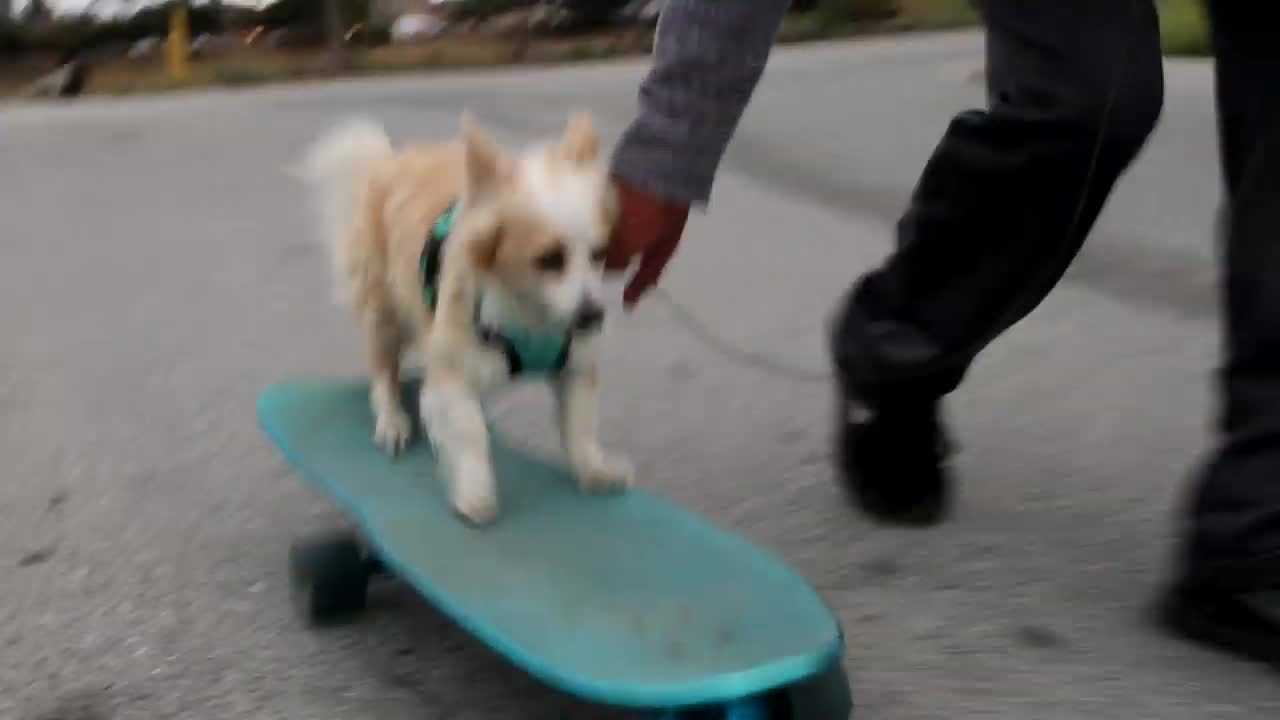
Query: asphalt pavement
point(158, 269)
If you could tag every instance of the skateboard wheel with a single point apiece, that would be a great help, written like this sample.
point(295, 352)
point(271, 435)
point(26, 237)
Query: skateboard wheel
point(824, 696)
point(747, 709)
point(330, 579)
point(753, 710)
point(374, 566)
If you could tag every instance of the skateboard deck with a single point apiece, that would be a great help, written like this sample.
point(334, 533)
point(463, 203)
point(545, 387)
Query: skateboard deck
point(627, 600)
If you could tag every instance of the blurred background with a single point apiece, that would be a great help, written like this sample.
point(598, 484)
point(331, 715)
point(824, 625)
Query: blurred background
point(67, 47)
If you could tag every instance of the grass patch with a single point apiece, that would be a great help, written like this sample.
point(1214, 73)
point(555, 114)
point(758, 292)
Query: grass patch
point(447, 52)
point(247, 67)
point(242, 68)
point(261, 67)
point(810, 26)
point(936, 14)
point(1184, 29)
point(911, 15)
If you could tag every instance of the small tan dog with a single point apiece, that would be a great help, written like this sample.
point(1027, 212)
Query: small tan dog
point(488, 264)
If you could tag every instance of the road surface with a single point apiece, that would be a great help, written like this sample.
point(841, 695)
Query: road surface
point(158, 270)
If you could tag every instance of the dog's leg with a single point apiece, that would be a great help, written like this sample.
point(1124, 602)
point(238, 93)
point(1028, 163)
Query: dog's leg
point(577, 397)
point(456, 424)
point(450, 409)
point(393, 427)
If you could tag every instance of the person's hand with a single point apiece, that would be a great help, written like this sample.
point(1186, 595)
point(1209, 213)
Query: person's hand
point(648, 230)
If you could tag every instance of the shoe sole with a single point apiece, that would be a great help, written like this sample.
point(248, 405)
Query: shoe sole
point(928, 513)
point(1207, 628)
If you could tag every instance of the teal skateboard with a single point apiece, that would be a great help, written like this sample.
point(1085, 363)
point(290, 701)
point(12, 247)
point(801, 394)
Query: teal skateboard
point(626, 601)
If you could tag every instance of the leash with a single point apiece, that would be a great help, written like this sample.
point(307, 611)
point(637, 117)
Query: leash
point(732, 352)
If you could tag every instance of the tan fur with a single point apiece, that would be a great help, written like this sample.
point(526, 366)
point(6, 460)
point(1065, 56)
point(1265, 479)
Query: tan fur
point(379, 205)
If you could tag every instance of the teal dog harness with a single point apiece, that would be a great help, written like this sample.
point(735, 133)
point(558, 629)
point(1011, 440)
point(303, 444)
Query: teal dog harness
point(527, 352)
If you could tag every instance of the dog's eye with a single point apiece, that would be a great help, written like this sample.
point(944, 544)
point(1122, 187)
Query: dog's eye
point(551, 261)
point(598, 257)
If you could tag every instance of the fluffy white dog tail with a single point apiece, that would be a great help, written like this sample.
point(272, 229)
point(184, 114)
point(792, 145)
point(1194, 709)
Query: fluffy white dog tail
point(336, 169)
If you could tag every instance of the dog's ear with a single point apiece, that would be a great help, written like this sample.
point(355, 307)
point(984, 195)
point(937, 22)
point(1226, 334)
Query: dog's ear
point(486, 164)
point(484, 240)
point(579, 143)
point(484, 249)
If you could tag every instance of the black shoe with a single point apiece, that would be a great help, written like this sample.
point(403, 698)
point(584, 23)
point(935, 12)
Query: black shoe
point(892, 461)
point(1246, 624)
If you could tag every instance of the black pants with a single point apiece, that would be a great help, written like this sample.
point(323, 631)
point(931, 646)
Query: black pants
point(1010, 194)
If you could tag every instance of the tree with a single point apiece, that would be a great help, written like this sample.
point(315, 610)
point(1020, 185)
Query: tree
point(12, 40)
point(335, 30)
point(591, 14)
point(479, 9)
point(313, 15)
point(37, 12)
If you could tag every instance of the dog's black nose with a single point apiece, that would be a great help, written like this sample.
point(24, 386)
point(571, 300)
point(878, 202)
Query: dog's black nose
point(589, 316)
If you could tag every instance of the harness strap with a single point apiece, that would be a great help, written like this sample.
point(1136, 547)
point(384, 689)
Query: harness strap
point(495, 339)
point(429, 262)
point(524, 352)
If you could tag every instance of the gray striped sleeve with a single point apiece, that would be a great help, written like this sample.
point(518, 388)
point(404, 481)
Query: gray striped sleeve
point(708, 58)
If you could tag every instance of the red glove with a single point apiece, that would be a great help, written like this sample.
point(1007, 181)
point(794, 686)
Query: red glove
point(649, 228)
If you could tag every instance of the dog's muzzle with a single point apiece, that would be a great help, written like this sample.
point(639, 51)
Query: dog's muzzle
point(588, 317)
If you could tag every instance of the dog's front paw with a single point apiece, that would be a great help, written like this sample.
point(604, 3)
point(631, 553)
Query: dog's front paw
point(392, 430)
point(475, 495)
point(602, 473)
